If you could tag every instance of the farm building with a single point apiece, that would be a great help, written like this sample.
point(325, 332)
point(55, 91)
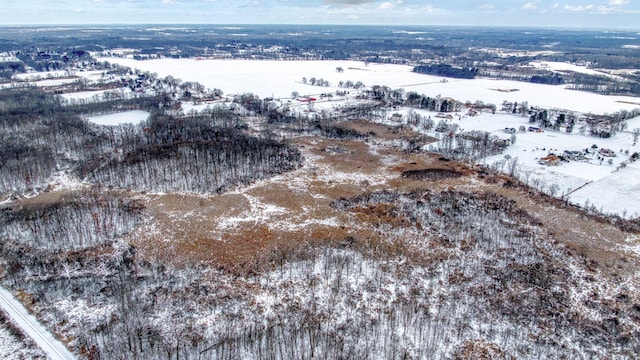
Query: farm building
point(550, 160)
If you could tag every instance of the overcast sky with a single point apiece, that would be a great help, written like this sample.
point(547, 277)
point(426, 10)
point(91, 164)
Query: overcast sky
point(549, 13)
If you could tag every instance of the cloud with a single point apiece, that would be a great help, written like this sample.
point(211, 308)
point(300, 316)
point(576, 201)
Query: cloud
point(435, 10)
point(532, 5)
point(578, 8)
point(593, 9)
point(618, 2)
point(348, 2)
point(385, 6)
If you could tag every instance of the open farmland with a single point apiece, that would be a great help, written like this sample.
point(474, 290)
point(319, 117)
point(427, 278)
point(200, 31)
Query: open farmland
point(280, 79)
point(134, 116)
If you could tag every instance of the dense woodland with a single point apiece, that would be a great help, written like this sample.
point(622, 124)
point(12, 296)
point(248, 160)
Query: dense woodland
point(202, 153)
point(458, 274)
point(196, 154)
point(446, 71)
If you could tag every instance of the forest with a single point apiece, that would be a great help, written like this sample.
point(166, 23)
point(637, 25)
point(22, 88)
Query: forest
point(446, 71)
point(246, 231)
point(203, 153)
point(456, 275)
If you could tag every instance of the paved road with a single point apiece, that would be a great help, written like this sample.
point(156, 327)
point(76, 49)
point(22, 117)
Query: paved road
point(32, 327)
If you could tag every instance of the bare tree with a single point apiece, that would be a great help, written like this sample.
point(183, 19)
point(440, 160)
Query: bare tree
point(512, 166)
point(635, 134)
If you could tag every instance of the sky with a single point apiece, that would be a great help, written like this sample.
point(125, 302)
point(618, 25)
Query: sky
point(612, 14)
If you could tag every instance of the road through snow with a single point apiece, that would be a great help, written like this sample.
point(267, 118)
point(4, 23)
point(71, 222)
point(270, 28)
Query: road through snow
point(32, 327)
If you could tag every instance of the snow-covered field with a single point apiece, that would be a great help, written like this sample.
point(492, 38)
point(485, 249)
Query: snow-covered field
point(560, 66)
point(53, 78)
point(617, 193)
point(97, 95)
point(39, 75)
point(57, 74)
point(280, 78)
point(40, 83)
point(133, 116)
point(591, 181)
point(596, 181)
point(85, 95)
point(605, 187)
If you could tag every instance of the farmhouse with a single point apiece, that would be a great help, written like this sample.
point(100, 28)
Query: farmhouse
point(607, 152)
point(444, 116)
point(574, 155)
point(550, 160)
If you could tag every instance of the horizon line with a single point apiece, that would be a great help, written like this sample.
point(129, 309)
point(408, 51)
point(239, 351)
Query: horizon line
point(565, 28)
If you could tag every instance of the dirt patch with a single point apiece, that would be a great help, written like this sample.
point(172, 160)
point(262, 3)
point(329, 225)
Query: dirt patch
point(384, 132)
point(431, 174)
point(44, 199)
point(245, 229)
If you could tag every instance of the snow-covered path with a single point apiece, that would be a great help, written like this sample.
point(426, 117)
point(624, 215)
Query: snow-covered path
point(31, 327)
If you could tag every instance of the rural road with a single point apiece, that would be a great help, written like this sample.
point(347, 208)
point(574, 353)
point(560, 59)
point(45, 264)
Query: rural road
point(32, 328)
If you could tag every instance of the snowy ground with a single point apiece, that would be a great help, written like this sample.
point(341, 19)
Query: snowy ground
point(25, 321)
point(40, 83)
point(39, 75)
point(54, 78)
point(608, 189)
point(133, 116)
point(597, 181)
point(96, 95)
point(560, 66)
point(280, 78)
point(618, 193)
point(42, 75)
point(12, 348)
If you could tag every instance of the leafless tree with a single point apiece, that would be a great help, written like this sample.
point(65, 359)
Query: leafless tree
point(635, 134)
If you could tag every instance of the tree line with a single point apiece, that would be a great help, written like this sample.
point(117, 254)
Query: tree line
point(204, 152)
point(169, 154)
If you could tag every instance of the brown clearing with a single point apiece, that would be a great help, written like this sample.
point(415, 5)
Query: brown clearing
point(200, 231)
point(239, 230)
